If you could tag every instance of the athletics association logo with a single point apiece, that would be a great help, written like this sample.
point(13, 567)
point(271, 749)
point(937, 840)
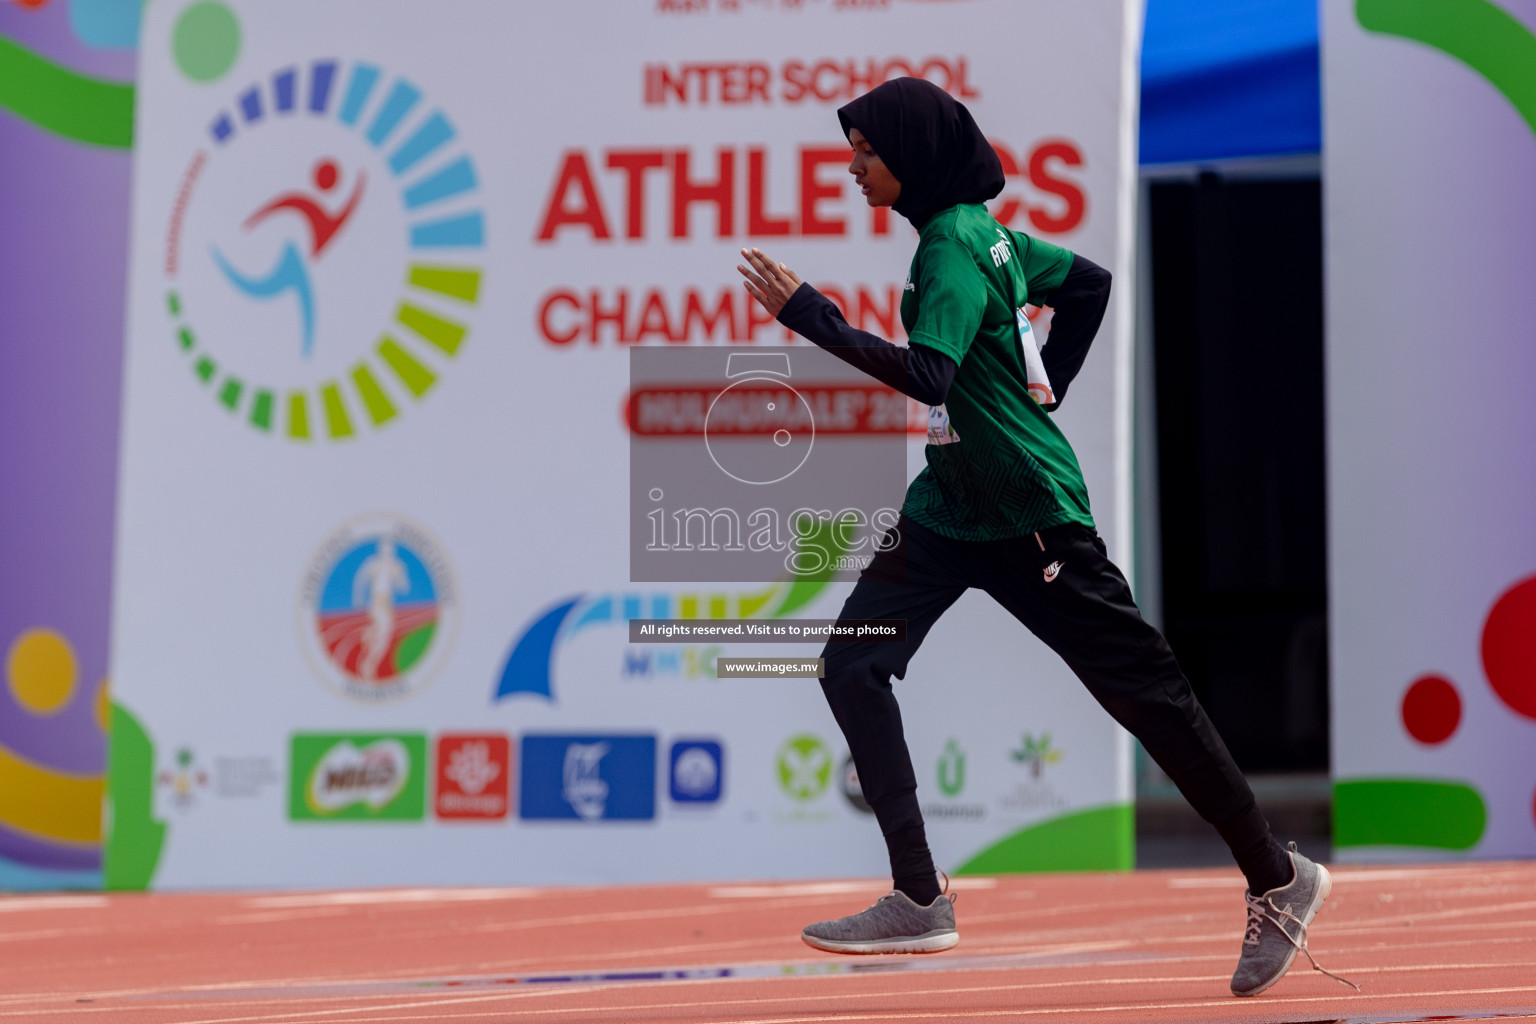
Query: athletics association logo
point(377, 610)
point(323, 250)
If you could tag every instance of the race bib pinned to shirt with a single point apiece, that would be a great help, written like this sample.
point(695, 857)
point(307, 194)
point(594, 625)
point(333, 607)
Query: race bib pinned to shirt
point(1034, 367)
point(939, 430)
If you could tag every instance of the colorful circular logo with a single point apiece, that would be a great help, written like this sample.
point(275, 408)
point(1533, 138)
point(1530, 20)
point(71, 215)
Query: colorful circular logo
point(804, 767)
point(377, 611)
point(323, 250)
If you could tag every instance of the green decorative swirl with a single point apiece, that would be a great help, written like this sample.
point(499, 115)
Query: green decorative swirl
point(134, 838)
point(90, 110)
point(1480, 34)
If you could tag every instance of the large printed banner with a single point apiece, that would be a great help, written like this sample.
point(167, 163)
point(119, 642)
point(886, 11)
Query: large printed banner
point(390, 261)
point(1431, 225)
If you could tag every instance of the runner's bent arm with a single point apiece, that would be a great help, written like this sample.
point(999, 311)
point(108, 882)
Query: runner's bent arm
point(916, 370)
point(1079, 301)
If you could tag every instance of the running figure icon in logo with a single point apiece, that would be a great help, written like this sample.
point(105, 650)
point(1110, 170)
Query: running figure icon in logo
point(292, 272)
point(322, 183)
point(375, 604)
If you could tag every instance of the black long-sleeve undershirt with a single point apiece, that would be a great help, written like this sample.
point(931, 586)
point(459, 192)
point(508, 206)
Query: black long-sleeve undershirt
point(1079, 303)
point(925, 373)
point(915, 370)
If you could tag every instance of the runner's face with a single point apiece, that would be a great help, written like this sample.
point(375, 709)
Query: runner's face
point(878, 184)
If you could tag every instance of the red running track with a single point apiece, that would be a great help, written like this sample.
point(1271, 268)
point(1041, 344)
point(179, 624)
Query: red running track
point(1449, 942)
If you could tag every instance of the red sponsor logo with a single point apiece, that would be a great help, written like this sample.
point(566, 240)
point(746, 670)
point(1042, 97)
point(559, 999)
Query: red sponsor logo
point(473, 776)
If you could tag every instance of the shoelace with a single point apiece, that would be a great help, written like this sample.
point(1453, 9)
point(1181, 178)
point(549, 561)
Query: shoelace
point(944, 893)
point(1258, 913)
point(953, 897)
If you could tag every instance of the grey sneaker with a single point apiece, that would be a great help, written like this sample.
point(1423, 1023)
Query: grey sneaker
point(893, 925)
point(1277, 928)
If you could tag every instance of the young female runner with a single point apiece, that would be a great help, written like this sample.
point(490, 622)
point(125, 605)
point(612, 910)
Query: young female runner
point(1002, 507)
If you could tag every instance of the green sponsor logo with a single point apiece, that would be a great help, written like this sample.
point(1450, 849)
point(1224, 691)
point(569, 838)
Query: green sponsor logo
point(357, 777)
point(1036, 753)
point(951, 769)
point(804, 766)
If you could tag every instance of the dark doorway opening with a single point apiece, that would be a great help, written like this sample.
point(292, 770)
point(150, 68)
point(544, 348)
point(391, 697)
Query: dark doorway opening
point(1237, 293)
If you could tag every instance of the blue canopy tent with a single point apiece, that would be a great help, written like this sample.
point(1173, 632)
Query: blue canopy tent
point(1229, 78)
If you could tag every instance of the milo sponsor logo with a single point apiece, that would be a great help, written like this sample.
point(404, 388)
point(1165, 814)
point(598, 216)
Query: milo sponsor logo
point(350, 777)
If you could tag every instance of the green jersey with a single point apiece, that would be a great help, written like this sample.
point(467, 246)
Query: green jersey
point(998, 466)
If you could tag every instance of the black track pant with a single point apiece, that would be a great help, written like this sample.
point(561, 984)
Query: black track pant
point(1062, 586)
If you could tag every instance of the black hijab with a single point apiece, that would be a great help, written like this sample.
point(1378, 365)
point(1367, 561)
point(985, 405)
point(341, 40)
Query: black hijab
point(930, 143)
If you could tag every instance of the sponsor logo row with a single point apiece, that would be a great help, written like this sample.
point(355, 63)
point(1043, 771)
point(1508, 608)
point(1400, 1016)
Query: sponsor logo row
point(383, 776)
point(470, 776)
point(386, 776)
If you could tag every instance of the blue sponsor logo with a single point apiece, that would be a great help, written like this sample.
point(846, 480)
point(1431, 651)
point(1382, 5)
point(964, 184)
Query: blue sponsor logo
point(698, 767)
point(588, 778)
point(530, 665)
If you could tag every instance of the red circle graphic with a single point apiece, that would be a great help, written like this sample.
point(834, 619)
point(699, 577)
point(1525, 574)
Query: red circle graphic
point(325, 175)
point(1431, 709)
point(1509, 648)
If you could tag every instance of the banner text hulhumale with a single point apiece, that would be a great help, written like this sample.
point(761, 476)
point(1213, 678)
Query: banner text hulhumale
point(389, 261)
point(1431, 226)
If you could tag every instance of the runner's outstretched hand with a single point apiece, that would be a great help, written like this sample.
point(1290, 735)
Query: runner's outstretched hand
point(772, 283)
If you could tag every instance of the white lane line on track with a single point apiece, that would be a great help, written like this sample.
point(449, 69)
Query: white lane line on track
point(1394, 926)
point(1446, 915)
point(278, 1018)
point(1364, 928)
point(269, 916)
point(376, 897)
point(49, 933)
point(1395, 1018)
point(432, 1004)
point(1332, 951)
point(868, 886)
point(1270, 1003)
point(337, 990)
point(579, 990)
point(531, 964)
point(1425, 873)
point(651, 913)
point(1012, 951)
point(20, 904)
